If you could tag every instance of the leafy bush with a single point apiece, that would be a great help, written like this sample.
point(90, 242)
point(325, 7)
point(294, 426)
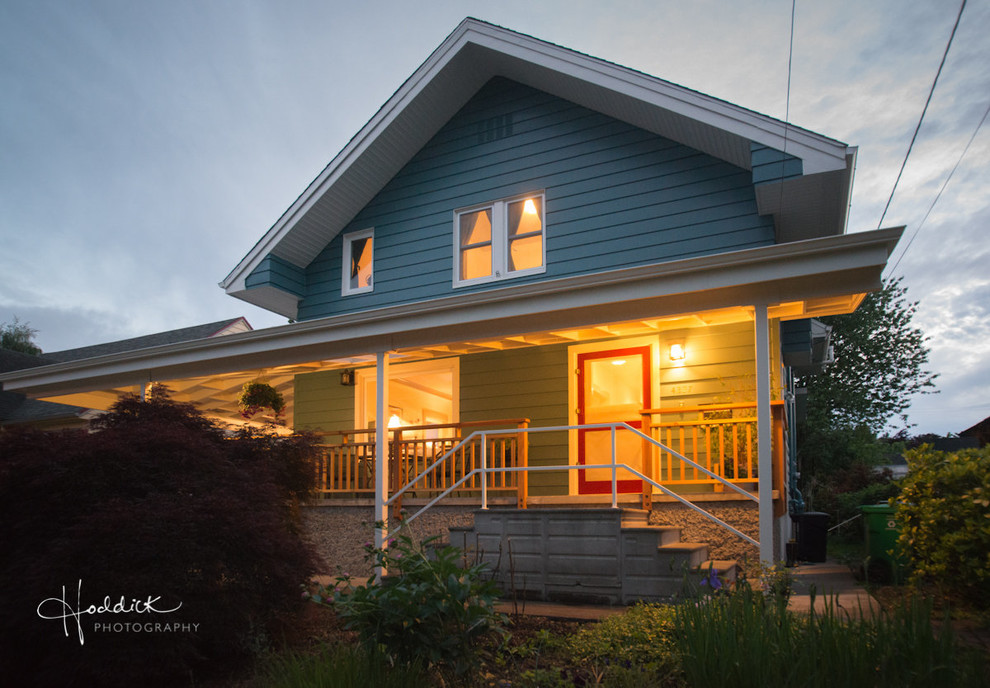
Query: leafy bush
point(429, 608)
point(944, 518)
point(157, 504)
point(839, 471)
point(634, 648)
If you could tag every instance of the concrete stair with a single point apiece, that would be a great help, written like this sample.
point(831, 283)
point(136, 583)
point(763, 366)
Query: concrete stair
point(601, 556)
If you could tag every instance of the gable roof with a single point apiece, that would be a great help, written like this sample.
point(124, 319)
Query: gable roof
point(813, 205)
point(184, 334)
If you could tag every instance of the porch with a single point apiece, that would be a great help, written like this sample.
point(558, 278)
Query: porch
point(696, 452)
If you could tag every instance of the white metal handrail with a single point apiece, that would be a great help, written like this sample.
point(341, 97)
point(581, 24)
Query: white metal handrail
point(485, 470)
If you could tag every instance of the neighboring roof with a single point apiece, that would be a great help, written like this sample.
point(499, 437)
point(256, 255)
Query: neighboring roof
point(15, 408)
point(828, 274)
point(184, 334)
point(981, 431)
point(16, 360)
point(813, 205)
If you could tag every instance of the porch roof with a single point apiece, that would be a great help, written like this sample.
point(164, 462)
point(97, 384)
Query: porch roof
point(796, 280)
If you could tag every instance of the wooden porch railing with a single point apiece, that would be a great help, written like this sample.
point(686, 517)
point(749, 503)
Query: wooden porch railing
point(722, 438)
point(347, 464)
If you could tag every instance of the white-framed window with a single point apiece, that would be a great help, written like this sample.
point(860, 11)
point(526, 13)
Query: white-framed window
point(500, 240)
point(358, 264)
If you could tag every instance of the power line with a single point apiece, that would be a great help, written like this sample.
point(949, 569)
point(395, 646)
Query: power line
point(787, 108)
point(922, 118)
point(939, 194)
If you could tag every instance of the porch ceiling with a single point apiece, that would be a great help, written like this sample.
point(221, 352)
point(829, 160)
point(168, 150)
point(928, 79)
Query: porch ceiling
point(796, 280)
point(216, 395)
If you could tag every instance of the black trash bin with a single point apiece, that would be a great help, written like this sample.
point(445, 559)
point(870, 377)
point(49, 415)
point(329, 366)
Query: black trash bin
point(812, 534)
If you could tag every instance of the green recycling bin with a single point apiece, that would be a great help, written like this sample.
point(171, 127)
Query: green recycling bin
point(882, 533)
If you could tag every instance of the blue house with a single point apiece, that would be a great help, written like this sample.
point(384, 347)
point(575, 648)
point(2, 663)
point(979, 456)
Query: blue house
point(529, 266)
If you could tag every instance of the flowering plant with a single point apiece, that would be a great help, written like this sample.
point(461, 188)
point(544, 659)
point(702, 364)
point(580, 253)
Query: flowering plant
point(260, 395)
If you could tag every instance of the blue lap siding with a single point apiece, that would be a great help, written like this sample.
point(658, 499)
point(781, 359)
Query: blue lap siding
point(616, 196)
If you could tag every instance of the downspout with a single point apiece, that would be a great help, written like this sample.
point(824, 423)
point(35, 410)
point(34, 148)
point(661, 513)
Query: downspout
point(763, 432)
point(795, 500)
point(381, 455)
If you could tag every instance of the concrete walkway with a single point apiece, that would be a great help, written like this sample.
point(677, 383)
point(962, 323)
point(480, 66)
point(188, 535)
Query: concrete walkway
point(832, 584)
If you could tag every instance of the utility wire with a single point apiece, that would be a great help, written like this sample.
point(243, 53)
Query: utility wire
point(922, 118)
point(939, 194)
point(787, 110)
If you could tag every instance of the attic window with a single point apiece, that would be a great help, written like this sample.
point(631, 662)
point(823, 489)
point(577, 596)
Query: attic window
point(357, 263)
point(499, 240)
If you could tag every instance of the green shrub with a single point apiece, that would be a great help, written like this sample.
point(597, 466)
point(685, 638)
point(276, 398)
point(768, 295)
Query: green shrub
point(429, 608)
point(944, 518)
point(636, 647)
point(160, 505)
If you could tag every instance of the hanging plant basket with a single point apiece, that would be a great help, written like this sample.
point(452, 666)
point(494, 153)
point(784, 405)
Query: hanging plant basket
point(256, 396)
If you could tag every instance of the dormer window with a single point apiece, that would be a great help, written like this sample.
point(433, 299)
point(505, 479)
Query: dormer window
point(358, 263)
point(499, 240)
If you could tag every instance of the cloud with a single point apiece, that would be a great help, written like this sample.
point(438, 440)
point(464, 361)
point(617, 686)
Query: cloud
point(147, 146)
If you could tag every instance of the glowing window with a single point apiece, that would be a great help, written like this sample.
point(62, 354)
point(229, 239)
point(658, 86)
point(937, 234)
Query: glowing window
point(500, 240)
point(358, 262)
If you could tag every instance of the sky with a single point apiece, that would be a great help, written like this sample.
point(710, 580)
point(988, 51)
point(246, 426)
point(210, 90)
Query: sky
point(146, 146)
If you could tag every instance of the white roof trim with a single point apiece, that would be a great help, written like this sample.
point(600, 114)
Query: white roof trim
point(817, 268)
point(471, 55)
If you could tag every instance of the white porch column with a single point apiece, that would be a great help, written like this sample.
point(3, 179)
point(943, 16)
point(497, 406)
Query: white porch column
point(381, 451)
point(764, 433)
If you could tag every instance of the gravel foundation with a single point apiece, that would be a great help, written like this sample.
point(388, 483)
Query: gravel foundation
point(339, 533)
point(722, 544)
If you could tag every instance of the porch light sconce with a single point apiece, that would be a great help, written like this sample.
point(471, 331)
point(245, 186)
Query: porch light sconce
point(347, 378)
point(677, 352)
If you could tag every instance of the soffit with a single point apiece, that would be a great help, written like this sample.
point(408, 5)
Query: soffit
point(802, 279)
point(472, 55)
point(216, 395)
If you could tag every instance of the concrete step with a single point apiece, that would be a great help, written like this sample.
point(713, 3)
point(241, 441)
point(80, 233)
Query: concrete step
point(651, 536)
point(635, 517)
point(684, 555)
point(726, 569)
point(601, 555)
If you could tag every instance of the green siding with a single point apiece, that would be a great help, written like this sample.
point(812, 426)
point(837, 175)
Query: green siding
point(719, 367)
point(322, 403)
point(523, 383)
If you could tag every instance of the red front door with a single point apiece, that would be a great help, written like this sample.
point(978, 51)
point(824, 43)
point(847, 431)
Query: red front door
point(613, 386)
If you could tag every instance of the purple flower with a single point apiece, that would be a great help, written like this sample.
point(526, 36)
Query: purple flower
point(712, 580)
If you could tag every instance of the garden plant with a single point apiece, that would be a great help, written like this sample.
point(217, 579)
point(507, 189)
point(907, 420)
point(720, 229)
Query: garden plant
point(157, 505)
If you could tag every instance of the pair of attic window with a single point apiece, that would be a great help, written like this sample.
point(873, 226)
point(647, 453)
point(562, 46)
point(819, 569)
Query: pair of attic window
point(358, 263)
point(499, 240)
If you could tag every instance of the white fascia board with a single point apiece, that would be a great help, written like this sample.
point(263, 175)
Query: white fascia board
point(271, 299)
point(818, 153)
point(815, 268)
point(337, 167)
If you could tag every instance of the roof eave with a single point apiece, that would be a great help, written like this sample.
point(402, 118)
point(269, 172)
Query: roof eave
point(472, 54)
point(818, 268)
